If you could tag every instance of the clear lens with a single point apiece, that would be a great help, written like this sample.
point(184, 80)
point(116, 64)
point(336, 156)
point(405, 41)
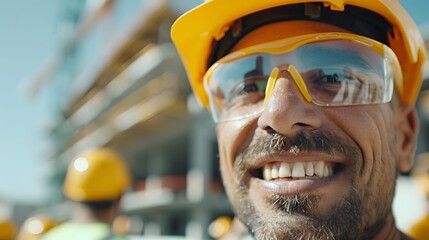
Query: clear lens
point(336, 72)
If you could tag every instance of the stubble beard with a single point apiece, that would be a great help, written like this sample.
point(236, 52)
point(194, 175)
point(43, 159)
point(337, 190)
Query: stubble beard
point(294, 217)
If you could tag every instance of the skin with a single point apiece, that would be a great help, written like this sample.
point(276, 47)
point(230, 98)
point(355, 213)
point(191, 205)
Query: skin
point(370, 143)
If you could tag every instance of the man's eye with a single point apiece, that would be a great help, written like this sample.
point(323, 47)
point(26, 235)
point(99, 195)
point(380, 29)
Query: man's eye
point(331, 78)
point(250, 91)
point(253, 85)
point(249, 88)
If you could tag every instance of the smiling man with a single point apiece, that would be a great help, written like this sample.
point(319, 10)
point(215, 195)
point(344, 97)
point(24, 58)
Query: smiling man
point(314, 106)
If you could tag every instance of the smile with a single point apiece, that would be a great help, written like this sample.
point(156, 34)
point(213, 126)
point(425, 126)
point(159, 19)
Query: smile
point(288, 173)
point(274, 171)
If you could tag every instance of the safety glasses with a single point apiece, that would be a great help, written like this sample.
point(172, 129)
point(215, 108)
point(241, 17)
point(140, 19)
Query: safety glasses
point(330, 69)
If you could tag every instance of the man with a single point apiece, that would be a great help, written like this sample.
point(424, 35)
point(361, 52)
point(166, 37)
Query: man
point(314, 106)
point(95, 181)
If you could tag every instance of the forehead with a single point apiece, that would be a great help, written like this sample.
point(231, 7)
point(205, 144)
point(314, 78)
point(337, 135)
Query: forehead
point(281, 30)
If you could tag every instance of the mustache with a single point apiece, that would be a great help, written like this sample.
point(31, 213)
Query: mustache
point(300, 142)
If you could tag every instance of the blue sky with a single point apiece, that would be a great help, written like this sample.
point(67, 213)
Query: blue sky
point(27, 40)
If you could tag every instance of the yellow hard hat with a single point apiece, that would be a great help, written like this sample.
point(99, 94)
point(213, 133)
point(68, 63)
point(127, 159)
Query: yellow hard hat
point(7, 229)
point(220, 227)
point(196, 33)
point(35, 227)
point(96, 175)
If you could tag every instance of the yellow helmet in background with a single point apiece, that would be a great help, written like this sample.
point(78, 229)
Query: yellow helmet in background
point(96, 175)
point(35, 227)
point(198, 31)
point(220, 227)
point(7, 229)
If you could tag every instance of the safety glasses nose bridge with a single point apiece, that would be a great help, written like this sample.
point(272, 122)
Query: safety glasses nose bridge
point(294, 74)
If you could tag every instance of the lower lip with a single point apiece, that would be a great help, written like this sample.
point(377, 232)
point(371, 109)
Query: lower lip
point(292, 186)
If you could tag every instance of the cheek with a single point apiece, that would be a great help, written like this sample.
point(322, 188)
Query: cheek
point(232, 138)
point(371, 128)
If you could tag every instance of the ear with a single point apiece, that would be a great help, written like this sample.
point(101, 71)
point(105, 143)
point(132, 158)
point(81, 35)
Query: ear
point(408, 126)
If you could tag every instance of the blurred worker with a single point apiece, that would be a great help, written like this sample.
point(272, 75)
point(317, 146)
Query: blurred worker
point(7, 229)
point(35, 227)
point(314, 103)
point(95, 181)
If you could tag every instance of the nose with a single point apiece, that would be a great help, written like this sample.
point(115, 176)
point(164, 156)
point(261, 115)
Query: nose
point(288, 107)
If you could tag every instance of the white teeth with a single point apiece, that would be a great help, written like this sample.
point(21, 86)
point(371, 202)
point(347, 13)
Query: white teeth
point(267, 172)
point(298, 170)
point(325, 171)
point(275, 172)
point(284, 170)
point(319, 168)
point(309, 171)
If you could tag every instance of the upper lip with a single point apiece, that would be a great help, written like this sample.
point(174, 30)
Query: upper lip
point(264, 159)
